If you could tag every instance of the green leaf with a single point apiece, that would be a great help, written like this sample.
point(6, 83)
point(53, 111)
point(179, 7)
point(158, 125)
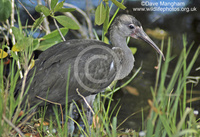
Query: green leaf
point(66, 9)
point(118, 4)
point(27, 42)
point(67, 22)
point(133, 49)
point(17, 33)
point(44, 45)
point(19, 22)
point(53, 3)
point(36, 44)
point(45, 11)
point(38, 22)
point(23, 44)
point(100, 14)
point(5, 10)
point(58, 6)
point(55, 33)
point(106, 22)
point(51, 39)
point(38, 8)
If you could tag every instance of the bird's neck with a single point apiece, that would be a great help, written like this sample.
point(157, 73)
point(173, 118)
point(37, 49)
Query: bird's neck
point(128, 60)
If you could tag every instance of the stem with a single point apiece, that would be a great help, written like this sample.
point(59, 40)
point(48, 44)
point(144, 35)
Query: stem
point(13, 126)
point(29, 14)
point(45, 22)
point(54, 20)
point(21, 95)
point(12, 19)
point(90, 28)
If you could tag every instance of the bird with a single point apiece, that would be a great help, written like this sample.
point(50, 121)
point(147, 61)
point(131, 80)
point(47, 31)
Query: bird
point(84, 65)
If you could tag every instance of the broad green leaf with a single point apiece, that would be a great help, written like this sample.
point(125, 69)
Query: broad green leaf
point(100, 14)
point(55, 33)
point(48, 43)
point(51, 39)
point(3, 54)
point(118, 4)
point(58, 6)
point(133, 49)
point(106, 22)
point(66, 9)
point(38, 8)
point(5, 9)
point(67, 22)
point(53, 3)
point(38, 21)
point(36, 43)
point(45, 11)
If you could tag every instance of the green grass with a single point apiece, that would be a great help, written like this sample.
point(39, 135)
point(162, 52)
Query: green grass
point(172, 116)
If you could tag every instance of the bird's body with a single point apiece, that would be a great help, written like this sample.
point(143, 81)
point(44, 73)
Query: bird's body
point(52, 68)
point(93, 65)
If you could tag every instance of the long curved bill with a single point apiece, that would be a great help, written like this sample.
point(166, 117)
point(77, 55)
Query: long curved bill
point(139, 33)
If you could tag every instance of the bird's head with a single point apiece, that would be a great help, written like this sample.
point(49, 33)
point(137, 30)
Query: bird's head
point(129, 26)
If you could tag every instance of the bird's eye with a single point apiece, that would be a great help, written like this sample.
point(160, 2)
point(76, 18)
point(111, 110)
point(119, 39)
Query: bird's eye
point(131, 26)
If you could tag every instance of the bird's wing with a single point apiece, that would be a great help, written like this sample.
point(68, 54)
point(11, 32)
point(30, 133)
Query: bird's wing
point(92, 65)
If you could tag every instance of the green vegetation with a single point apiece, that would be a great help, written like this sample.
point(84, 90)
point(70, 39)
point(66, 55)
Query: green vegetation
point(169, 115)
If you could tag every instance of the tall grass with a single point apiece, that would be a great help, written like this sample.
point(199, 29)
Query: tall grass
point(170, 115)
point(8, 103)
